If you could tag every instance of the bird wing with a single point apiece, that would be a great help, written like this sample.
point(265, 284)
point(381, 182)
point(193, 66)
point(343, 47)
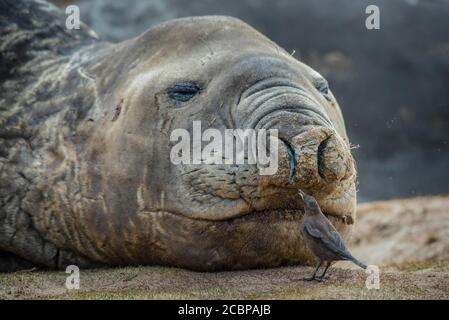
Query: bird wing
point(330, 238)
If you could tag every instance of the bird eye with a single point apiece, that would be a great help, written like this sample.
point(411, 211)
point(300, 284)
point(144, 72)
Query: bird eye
point(323, 88)
point(183, 91)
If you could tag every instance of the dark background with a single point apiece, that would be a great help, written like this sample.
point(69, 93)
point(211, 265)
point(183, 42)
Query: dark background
point(392, 84)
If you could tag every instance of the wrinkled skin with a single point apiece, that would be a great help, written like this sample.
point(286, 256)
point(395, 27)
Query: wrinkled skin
point(99, 184)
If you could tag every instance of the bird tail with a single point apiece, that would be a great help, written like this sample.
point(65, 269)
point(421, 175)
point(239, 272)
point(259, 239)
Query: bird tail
point(359, 263)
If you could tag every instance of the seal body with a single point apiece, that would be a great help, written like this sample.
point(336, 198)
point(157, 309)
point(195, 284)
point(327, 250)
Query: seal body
point(86, 174)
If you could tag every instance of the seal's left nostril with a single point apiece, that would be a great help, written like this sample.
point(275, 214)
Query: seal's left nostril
point(291, 160)
point(320, 157)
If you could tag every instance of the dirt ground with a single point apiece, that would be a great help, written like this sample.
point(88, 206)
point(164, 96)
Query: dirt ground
point(407, 239)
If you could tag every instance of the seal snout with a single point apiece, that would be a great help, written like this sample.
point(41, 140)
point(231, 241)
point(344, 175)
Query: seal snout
point(314, 152)
point(331, 159)
point(314, 159)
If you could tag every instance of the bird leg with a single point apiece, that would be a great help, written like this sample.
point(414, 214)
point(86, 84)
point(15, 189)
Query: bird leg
point(313, 276)
point(328, 264)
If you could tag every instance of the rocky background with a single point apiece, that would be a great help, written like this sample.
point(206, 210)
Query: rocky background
point(392, 83)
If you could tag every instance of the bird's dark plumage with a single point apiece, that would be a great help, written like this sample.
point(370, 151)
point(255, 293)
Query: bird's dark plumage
point(322, 238)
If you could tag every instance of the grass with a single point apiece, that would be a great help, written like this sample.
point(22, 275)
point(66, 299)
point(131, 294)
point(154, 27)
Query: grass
point(420, 280)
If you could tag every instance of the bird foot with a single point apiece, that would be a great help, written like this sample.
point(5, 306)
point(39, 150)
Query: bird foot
point(312, 278)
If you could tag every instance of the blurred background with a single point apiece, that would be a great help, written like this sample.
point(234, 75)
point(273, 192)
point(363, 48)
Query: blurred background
point(392, 84)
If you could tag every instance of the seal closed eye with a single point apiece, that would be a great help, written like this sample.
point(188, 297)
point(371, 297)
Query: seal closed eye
point(183, 91)
point(323, 88)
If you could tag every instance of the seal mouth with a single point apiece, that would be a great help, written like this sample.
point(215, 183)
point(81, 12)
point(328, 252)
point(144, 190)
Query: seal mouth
point(293, 212)
point(233, 194)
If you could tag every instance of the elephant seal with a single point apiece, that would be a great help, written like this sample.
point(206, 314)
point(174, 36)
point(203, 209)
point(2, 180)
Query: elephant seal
point(85, 125)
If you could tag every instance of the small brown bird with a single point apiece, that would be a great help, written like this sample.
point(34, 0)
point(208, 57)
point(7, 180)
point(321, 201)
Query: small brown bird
point(322, 238)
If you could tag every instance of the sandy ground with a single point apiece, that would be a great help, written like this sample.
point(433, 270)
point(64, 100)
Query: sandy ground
point(407, 239)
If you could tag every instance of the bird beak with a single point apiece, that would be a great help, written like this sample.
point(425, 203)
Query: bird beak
point(301, 194)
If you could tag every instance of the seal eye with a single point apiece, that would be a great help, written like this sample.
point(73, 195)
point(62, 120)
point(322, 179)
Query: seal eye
point(183, 91)
point(323, 88)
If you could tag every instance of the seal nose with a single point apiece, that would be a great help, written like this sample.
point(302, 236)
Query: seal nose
point(314, 158)
point(320, 154)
